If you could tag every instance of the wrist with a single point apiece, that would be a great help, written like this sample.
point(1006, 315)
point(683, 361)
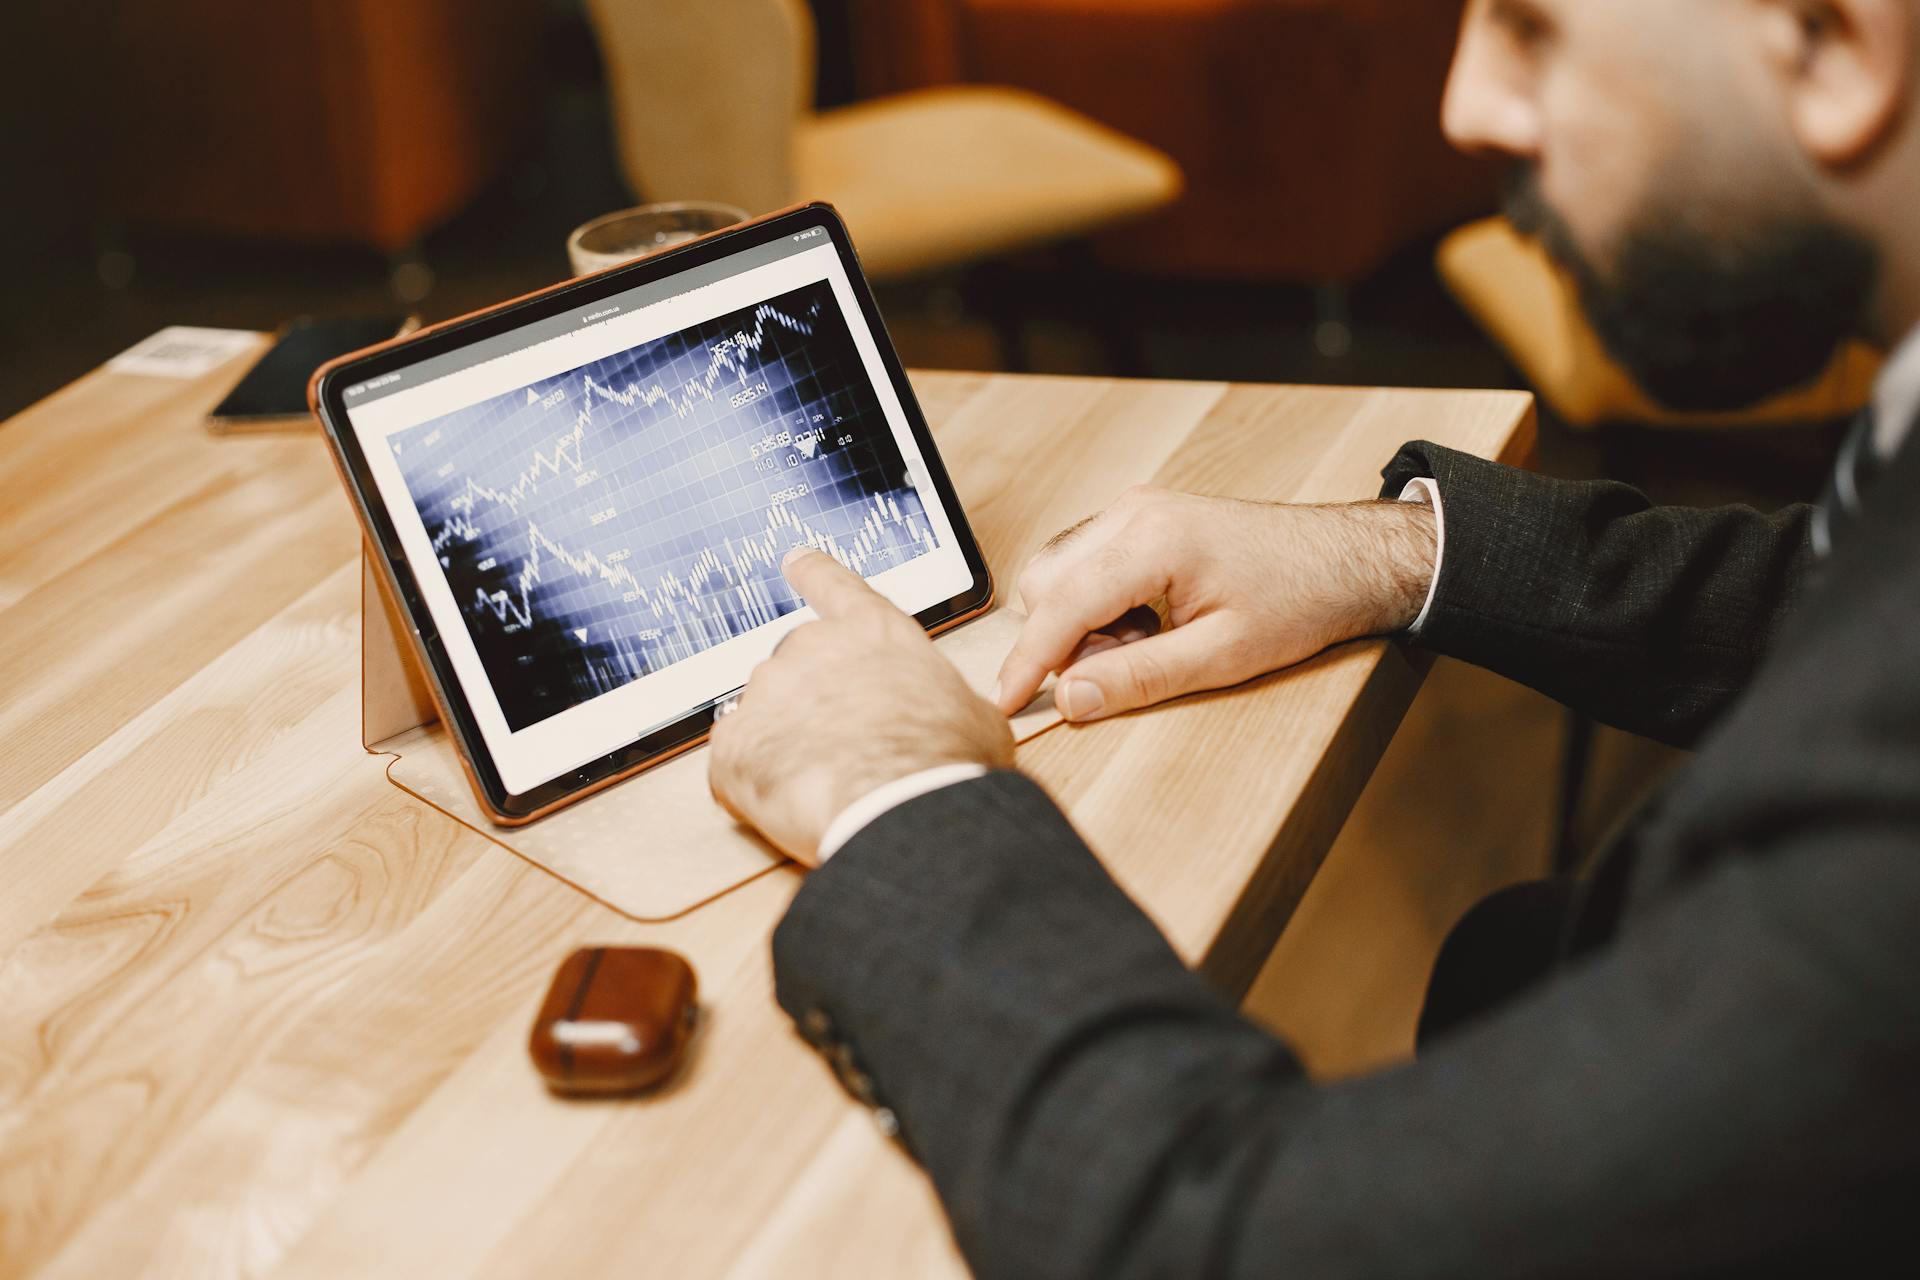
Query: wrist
point(862, 811)
point(889, 759)
point(1386, 558)
point(858, 781)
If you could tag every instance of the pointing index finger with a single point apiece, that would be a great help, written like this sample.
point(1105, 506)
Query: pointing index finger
point(833, 590)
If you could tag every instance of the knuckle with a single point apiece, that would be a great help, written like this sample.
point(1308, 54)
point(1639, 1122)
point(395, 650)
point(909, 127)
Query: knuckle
point(777, 658)
point(1037, 584)
point(1111, 563)
point(900, 628)
point(820, 642)
point(1031, 577)
point(770, 682)
point(1154, 521)
point(880, 611)
point(795, 644)
point(851, 631)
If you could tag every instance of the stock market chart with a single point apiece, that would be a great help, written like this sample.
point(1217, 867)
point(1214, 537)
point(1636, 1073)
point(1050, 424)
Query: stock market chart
point(604, 523)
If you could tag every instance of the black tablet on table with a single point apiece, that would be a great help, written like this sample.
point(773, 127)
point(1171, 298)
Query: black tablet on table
point(580, 499)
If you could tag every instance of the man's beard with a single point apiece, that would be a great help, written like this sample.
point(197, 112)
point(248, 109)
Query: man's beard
point(1707, 322)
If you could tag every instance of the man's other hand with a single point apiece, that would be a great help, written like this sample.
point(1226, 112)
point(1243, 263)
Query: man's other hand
point(1244, 587)
point(846, 704)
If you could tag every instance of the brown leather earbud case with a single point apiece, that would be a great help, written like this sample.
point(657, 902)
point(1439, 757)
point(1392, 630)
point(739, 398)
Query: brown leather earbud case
point(615, 1020)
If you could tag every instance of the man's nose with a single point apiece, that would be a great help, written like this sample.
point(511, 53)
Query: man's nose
point(1489, 105)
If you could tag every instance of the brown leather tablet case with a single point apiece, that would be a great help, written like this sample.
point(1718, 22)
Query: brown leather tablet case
point(650, 847)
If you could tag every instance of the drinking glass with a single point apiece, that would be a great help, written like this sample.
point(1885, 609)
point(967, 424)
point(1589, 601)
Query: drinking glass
point(620, 237)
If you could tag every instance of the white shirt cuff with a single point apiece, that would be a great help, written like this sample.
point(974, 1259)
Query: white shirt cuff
point(891, 795)
point(1423, 489)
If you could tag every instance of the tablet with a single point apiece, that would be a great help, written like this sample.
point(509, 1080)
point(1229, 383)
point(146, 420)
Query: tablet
point(580, 499)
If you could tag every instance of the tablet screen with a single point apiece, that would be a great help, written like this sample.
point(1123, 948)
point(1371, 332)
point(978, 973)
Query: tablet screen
point(595, 507)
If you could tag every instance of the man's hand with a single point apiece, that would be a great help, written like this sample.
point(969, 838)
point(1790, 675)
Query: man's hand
point(858, 699)
point(1246, 587)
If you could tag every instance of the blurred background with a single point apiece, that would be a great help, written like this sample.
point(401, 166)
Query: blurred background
point(219, 163)
point(1233, 189)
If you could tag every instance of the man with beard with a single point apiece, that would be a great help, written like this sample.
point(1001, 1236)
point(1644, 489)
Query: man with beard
point(1708, 1060)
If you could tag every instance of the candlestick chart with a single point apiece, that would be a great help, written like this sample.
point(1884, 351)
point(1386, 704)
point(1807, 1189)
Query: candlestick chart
point(601, 524)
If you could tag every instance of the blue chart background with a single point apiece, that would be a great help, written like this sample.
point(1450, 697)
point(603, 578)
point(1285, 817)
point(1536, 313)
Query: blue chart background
point(604, 523)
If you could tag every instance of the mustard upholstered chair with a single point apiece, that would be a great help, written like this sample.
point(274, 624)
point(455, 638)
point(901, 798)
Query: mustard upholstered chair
point(713, 101)
point(1528, 305)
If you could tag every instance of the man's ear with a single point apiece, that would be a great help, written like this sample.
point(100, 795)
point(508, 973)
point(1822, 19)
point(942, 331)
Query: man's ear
point(1846, 66)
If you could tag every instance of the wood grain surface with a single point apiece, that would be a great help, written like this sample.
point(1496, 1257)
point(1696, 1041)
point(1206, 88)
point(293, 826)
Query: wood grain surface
point(265, 1014)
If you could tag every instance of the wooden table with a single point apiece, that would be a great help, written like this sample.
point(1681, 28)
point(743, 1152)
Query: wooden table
point(265, 1014)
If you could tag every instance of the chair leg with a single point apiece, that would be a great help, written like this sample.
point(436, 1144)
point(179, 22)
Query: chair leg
point(1108, 307)
point(994, 292)
point(1067, 285)
point(1333, 320)
point(1576, 752)
point(1009, 327)
point(410, 277)
point(1117, 329)
point(113, 261)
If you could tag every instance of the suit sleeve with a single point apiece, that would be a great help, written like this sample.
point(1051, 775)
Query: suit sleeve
point(1732, 1076)
point(1645, 617)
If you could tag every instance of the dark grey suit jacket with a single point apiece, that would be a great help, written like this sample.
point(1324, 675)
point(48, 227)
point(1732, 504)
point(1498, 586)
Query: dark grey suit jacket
point(1730, 1083)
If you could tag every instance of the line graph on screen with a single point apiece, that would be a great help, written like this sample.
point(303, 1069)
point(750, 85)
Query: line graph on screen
point(604, 523)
